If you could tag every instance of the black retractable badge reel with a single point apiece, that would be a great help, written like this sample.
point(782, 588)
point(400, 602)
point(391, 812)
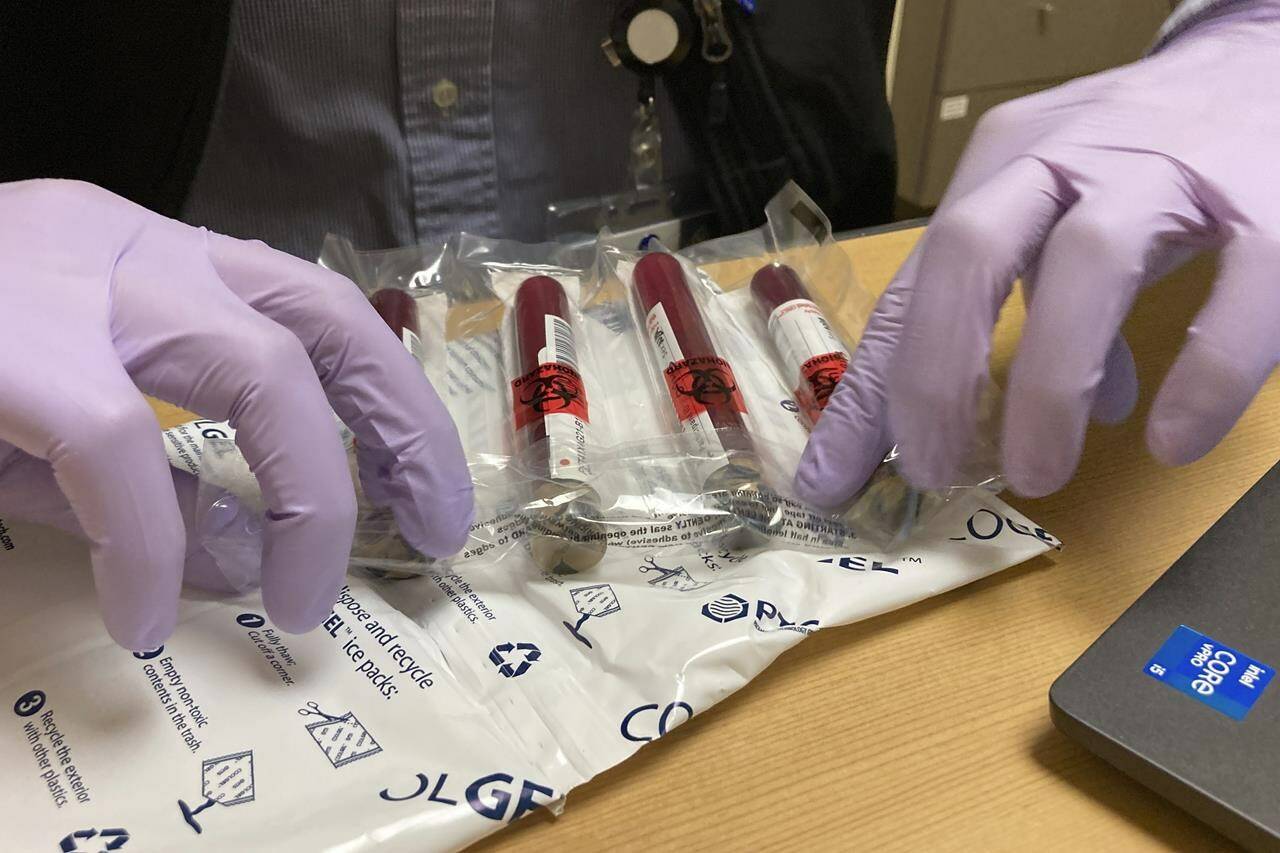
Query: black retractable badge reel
point(649, 38)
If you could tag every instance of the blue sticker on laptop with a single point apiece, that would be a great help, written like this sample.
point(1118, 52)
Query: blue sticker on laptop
point(1226, 680)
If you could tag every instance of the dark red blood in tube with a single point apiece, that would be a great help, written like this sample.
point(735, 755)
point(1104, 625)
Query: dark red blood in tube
point(697, 378)
point(551, 423)
point(775, 284)
point(537, 297)
point(814, 358)
point(397, 309)
point(549, 382)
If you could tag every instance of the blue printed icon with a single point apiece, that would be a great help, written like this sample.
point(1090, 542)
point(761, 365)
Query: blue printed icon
point(29, 703)
point(726, 608)
point(341, 737)
point(108, 839)
point(677, 579)
point(226, 780)
point(150, 654)
point(1221, 677)
point(514, 659)
point(596, 600)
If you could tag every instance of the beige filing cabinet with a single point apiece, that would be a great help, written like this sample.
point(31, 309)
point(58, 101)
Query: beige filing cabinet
point(956, 59)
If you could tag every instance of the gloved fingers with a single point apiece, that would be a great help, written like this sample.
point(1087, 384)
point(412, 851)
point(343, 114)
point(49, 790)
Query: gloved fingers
point(374, 467)
point(850, 438)
point(28, 491)
point(1118, 391)
point(973, 250)
point(1009, 130)
point(373, 384)
point(237, 365)
point(1093, 264)
point(263, 383)
point(106, 457)
point(224, 539)
point(1231, 350)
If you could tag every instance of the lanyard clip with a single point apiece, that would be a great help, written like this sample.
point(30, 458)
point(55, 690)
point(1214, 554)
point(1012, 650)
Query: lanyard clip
point(717, 46)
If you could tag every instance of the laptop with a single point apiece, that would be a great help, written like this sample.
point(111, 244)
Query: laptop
point(1179, 693)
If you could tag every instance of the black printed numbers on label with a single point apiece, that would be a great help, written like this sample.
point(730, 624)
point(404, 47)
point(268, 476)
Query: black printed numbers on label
point(29, 703)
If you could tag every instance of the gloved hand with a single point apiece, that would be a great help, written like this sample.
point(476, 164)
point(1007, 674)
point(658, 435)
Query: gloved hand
point(1089, 191)
point(103, 301)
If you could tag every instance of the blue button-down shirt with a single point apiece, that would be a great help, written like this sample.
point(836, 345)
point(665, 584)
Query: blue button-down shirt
point(399, 122)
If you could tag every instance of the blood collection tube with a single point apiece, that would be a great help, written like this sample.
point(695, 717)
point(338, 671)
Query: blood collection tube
point(703, 389)
point(378, 546)
point(815, 360)
point(704, 392)
point(552, 424)
point(399, 311)
point(812, 355)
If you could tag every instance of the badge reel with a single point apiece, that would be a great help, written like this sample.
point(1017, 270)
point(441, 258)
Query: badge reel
point(648, 38)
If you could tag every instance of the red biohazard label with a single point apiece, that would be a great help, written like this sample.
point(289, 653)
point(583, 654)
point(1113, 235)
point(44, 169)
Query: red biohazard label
point(548, 389)
point(819, 377)
point(702, 382)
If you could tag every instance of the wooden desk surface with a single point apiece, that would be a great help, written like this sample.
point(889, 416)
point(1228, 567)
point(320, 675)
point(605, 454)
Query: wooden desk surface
point(958, 752)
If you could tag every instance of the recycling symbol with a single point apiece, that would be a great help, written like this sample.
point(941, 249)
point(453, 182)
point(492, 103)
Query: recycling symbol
point(514, 659)
point(80, 841)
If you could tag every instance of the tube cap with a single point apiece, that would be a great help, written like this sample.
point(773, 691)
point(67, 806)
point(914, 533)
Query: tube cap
point(565, 532)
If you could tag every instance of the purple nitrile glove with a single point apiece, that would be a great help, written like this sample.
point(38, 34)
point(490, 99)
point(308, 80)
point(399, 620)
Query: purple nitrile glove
point(1089, 191)
point(103, 301)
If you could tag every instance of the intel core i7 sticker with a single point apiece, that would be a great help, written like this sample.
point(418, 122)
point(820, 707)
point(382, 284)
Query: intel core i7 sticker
point(1219, 676)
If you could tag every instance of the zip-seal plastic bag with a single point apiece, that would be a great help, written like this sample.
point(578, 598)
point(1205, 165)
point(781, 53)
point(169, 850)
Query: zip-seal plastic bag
point(756, 313)
point(588, 427)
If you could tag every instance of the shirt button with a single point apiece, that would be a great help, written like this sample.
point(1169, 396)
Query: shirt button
point(444, 93)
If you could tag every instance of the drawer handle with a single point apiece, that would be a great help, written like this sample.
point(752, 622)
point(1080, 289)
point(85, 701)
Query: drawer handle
point(1043, 11)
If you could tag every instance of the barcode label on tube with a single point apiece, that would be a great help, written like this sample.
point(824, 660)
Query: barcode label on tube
point(560, 346)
